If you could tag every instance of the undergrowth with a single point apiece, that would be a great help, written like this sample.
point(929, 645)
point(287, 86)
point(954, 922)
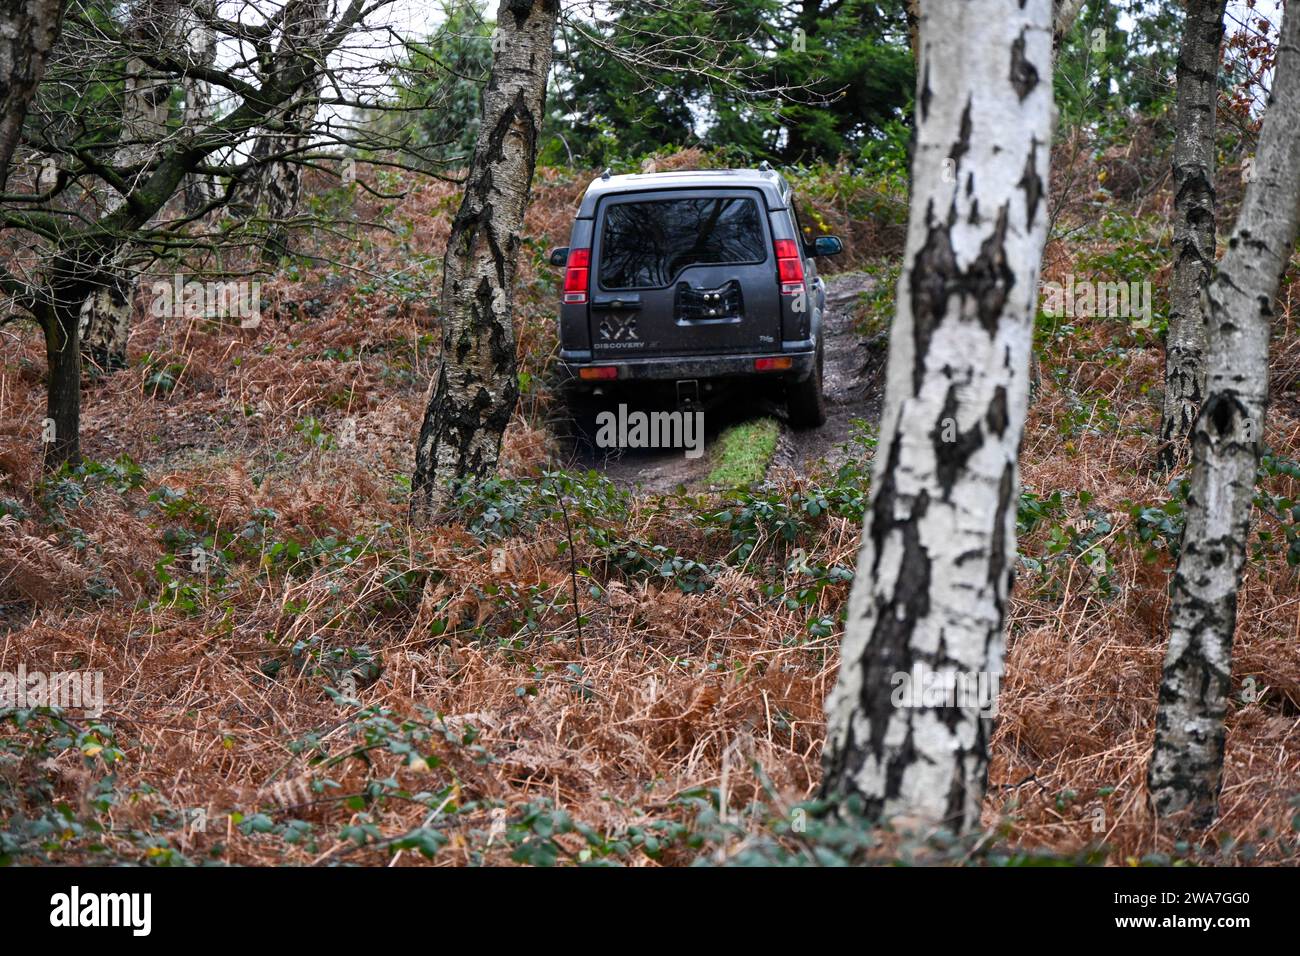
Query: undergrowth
point(574, 674)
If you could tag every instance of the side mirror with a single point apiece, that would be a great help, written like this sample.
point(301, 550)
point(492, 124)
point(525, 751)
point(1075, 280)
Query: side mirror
point(560, 256)
point(827, 246)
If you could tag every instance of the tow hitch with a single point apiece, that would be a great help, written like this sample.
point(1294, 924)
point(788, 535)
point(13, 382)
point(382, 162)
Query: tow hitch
point(688, 394)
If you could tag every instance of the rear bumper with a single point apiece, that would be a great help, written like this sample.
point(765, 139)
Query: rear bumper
point(678, 367)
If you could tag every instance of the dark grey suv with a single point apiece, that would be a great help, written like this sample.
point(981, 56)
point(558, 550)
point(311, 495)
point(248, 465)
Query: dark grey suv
point(689, 278)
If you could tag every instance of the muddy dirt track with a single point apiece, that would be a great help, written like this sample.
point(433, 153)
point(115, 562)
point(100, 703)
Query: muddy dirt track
point(853, 382)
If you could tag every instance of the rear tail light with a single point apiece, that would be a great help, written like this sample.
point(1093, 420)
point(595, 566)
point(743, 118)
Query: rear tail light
point(598, 372)
point(789, 267)
point(576, 272)
point(772, 364)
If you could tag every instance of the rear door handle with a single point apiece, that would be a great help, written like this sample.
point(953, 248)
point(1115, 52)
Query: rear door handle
point(620, 303)
point(710, 320)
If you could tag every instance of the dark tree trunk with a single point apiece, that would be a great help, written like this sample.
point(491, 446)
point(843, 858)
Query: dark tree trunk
point(63, 389)
point(912, 11)
point(1194, 201)
point(1187, 761)
point(28, 29)
point(476, 384)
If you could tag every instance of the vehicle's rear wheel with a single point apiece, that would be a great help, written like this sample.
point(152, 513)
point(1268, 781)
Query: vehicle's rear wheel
point(804, 402)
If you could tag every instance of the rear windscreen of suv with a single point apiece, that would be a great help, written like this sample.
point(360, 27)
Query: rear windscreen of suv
point(646, 245)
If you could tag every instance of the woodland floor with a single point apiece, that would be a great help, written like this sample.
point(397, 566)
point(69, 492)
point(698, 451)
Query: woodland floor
point(685, 721)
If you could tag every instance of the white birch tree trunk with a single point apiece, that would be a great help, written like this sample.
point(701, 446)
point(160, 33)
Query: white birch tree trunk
point(279, 182)
point(938, 545)
point(1064, 13)
point(1187, 761)
point(278, 191)
point(146, 95)
point(476, 385)
point(201, 45)
point(28, 29)
point(1194, 202)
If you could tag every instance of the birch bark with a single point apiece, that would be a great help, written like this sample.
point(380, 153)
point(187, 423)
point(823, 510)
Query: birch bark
point(1187, 761)
point(28, 29)
point(278, 191)
point(106, 313)
point(476, 385)
point(1194, 202)
point(934, 571)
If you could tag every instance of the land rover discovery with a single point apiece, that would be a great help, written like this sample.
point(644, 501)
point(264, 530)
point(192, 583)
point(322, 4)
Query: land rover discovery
point(691, 279)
